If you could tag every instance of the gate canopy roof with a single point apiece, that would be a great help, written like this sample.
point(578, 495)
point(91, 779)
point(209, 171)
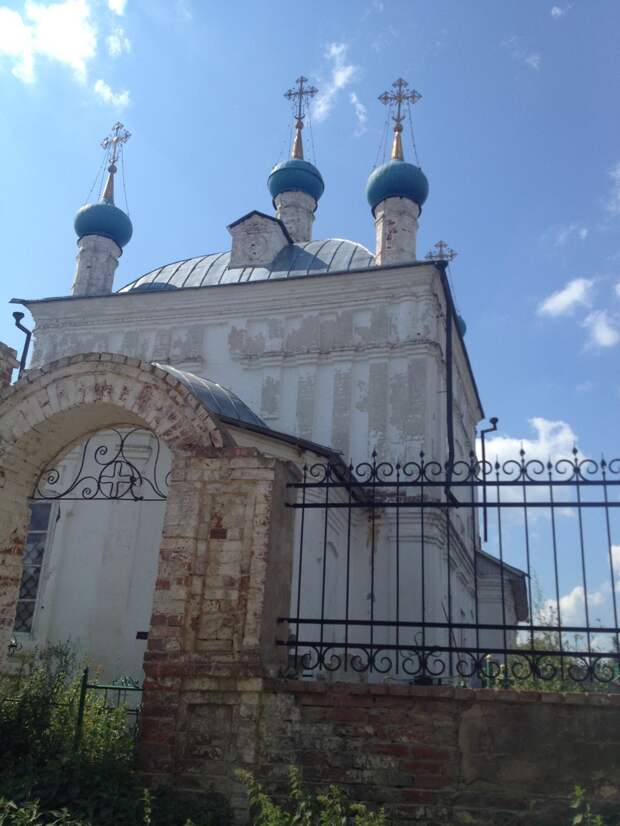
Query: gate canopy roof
point(219, 400)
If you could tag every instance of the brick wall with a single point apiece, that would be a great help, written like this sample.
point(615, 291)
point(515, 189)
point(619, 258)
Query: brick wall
point(8, 363)
point(442, 756)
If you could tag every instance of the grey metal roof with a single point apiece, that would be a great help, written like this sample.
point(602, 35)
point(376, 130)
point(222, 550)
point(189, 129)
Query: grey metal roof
point(294, 261)
point(220, 400)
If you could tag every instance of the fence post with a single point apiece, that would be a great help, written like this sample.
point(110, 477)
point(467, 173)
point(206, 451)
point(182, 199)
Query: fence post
point(81, 705)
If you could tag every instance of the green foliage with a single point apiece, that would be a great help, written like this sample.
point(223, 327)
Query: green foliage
point(565, 674)
point(328, 809)
point(583, 815)
point(47, 777)
point(552, 673)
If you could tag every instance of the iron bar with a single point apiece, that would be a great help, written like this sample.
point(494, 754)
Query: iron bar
point(584, 577)
point(326, 524)
point(552, 507)
point(301, 559)
point(348, 594)
point(610, 553)
point(397, 558)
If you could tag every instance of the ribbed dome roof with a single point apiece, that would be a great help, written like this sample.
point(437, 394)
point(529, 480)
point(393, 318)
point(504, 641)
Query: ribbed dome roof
point(397, 179)
point(294, 261)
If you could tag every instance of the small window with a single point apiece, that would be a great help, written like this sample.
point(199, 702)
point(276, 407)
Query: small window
point(33, 563)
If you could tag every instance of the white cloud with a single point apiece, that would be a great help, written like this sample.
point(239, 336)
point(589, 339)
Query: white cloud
point(532, 60)
point(118, 42)
point(613, 203)
point(572, 607)
point(617, 288)
point(557, 12)
point(560, 235)
point(15, 42)
point(615, 558)
point(63, 32)
point(553, 440)
point(577, 292)
point(360, 113)
point(603, 329)
point(342, 74)
point(117, 6)
point(118, 99)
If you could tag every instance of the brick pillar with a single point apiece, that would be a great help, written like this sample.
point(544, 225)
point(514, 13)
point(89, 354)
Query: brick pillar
point(10, 556)
point(224, 577)
point(8, 363)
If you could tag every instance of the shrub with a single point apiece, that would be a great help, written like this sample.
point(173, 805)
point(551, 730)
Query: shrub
point(583, 815)
point(48, 777)
point(328, 809)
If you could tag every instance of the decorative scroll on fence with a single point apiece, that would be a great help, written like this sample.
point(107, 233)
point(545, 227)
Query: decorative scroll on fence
point(392, 578)
point(112, 465)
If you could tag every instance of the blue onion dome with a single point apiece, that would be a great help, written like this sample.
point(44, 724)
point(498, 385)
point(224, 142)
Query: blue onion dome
point(296, 175)
point(397, 179)
point(460, 323)
point(104, 219)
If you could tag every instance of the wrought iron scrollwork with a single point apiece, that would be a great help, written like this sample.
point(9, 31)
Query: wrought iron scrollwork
point(441, 663)
point(393, 578)
point(108, 471)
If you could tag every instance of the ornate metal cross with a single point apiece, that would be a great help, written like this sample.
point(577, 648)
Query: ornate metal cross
point(299, 96)
point(119, 480)
point(117, 137)
point(397, 98)
point(440, 252)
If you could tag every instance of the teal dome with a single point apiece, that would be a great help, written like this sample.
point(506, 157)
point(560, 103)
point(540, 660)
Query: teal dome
point(103, 219)
point(296, 176)
point(460, 322)
point(397, 179)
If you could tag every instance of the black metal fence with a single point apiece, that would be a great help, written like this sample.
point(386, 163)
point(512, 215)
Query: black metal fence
point(393, 580)
point(123, 693)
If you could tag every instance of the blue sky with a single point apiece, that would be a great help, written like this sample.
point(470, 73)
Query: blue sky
point(517, 132)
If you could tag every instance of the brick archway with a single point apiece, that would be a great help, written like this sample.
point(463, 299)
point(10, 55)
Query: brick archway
point(51, 409)
point(225, 554)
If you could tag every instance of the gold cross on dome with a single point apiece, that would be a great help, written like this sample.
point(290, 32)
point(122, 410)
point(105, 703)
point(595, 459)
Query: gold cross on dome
point(112, 145)
point(440, 252)
point(117, 137)
point(299, 97)
point(396, 99)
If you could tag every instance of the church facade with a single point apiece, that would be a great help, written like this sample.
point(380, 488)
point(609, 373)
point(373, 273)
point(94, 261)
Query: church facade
point(297, 351)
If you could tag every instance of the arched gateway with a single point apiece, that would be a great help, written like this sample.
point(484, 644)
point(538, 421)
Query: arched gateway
point(218, 524)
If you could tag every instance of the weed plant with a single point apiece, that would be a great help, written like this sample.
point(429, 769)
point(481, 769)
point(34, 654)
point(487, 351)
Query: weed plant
point(47, 776)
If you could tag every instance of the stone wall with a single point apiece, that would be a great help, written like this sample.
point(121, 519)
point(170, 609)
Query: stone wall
point(439, 755)
point(431, 755)
point(8, 363)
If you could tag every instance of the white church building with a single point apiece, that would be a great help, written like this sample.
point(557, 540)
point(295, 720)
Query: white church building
point(313, 351)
